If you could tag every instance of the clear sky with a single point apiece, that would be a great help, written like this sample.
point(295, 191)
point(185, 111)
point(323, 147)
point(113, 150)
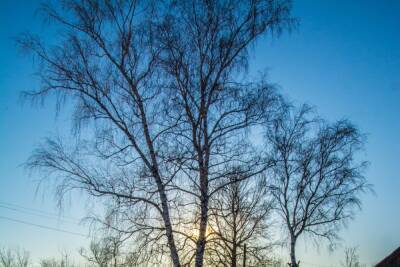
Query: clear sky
point(344, 58)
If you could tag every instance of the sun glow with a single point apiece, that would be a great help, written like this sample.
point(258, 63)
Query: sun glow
point(194, 233)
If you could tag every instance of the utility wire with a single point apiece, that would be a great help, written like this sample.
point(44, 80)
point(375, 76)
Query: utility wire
point(42, 226)
point(41, 212)
point(40, 215)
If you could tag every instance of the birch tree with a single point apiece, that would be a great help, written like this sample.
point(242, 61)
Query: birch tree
point(317, 178)
point(103, 65)
point(162, 105)
point(206, 48)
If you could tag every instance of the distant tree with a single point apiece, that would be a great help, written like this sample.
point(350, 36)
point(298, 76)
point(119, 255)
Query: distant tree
point(316, 179)
point(7, 258)
point(50, 263)
point(63, 261)
point(14, 257)
point(275, 262)
point(240, 215)
point(109, 252)
point(351, 258)
point(22, 258)
point(101, 253)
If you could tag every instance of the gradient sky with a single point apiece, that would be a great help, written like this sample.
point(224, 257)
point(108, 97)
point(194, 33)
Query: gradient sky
point(344, 58)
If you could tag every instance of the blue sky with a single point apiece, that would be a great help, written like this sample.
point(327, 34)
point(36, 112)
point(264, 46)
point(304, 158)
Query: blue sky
point(344, 58)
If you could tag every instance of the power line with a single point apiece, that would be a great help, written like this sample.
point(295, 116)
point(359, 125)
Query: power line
point(40, 215)
point(15, 206)
point(42, 226)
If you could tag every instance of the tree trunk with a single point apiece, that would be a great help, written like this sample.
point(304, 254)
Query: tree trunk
point(234, 256)
point(168, 228)
point(201, 241)
point(160, 186)
point(293, 251)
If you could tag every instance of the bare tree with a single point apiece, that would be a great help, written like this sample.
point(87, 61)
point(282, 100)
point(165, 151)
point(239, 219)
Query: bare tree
point(158, 89)
point(110, 252)
point(7, 258)
point(240, 215)
point(97, 254)
point(316, 180)
point(14, 257)
point(276, 262)
point(351, 258)
point(103, 253)
point(63, 261)
point(105, 66)
point(204, 58)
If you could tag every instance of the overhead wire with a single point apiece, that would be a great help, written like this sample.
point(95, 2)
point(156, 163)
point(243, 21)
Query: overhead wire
point(34, 213)
point(43, 226)
point(41, 212)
